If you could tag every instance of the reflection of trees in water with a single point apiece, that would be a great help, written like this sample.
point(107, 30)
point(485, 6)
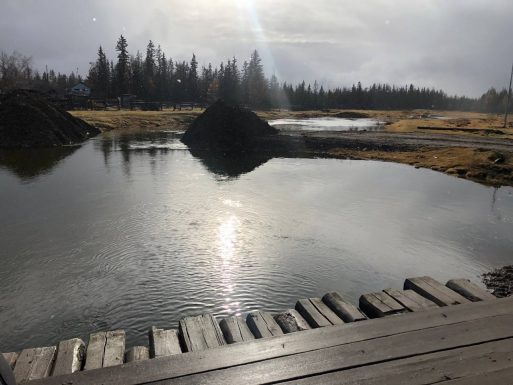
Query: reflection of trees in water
point(153, 144)
point(230, 165)
point(129, 144)
point(28, 164)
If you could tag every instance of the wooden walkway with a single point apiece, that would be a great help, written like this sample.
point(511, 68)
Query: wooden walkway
point(426, 333)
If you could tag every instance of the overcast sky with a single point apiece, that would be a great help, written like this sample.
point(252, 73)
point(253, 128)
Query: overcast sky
point(461, 46)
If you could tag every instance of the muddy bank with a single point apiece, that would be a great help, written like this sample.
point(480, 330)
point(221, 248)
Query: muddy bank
point(500, 281)
point(28, 120)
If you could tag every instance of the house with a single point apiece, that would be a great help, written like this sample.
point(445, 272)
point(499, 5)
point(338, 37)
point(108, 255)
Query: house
point(80, 90)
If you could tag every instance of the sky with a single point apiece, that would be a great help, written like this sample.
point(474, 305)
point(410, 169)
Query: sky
point(461, 46)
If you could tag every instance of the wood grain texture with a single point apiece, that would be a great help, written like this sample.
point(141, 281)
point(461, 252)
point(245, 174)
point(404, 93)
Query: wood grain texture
point(434, 291)
point(200, 333)
point(291, 344)
point(34, 363)
point(469, 290)
point(70, 357)
point(362, 353)
point(380, 304)
point(411, 300)
point(163, 342)
point(291, 321)
point(114, 348)
point(95, 351)
point(342, 308)
point(438, 367)
point(137, 353)
point(235, 330)
point(263, 325)
point(317, 313)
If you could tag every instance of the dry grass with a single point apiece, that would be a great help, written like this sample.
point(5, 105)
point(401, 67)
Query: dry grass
point(483, 166)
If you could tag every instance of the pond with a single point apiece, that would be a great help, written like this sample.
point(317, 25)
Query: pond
point(130, 230)
point(328, 124)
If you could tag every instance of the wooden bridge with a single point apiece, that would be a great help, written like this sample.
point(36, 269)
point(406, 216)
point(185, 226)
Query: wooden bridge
point(427, 333)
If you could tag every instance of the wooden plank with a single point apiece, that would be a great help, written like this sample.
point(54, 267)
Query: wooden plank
point(263, 325)
point(344, 309)
point(357, 354)
point(430, 368)
point(380, 304)
point(201, 332)
point(34, 363)
point(434, 291)
point(95, 350)
point(105, 349)
point(499, 377)
point(469, 290)
point(137, 353)
point(411, 300)
point(317, 313)
point(70, 357)
point(164, 342)
point(114, 348)
point(235, 330)
point(286, 345)
point(11, 358)
point(291, 321)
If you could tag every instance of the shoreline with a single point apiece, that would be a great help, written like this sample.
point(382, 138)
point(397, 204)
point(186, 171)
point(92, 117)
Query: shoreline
point(463, 144)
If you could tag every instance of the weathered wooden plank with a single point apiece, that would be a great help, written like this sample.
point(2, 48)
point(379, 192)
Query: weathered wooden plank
point(380, 304)
point(356, 354)
point(164, 342)
point(105, 349)
point(235, 330)
point(201, 332)
point(137, 353)
point(411, 300)
point(423, 369)
point(317, 313)
point(502, 377)
point(95, 350)
point(287, 345)
point(11, 358)
point(114, 348)
point(344, 309)
point(434, 291)
point(70, 357)
point(469, 290)
point(291, 321)
point(263, 325)
point(34, 363)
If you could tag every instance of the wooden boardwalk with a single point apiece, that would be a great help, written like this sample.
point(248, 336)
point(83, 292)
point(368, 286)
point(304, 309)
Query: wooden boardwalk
point(426, 333)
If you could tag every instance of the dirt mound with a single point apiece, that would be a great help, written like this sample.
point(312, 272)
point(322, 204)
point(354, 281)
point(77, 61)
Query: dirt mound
point(28, 119)
point(227, 129)
point(351, 115)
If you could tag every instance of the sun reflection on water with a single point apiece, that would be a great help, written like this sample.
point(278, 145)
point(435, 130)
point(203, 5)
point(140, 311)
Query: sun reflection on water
point(227, 243)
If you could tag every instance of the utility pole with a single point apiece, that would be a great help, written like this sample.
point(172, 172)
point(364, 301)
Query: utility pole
point(507, 100)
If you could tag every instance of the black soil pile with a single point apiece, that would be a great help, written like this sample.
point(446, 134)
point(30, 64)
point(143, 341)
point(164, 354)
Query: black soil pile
point(28, 119)
point(227, 130)
point(500, 281)
point(351, 115)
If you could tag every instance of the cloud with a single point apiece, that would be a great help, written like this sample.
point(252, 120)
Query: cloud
point(462, 46)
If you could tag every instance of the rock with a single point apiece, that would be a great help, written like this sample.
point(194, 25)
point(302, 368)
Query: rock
point(227, 130)
point(500, 281)
point(28, 119)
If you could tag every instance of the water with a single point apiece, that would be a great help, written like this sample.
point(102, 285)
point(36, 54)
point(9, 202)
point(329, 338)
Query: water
point(131, 230)
point(328, 124)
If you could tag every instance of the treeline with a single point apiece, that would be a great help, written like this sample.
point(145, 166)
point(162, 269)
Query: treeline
point(156, 77)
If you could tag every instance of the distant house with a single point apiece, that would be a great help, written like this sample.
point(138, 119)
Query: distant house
point(80, 90)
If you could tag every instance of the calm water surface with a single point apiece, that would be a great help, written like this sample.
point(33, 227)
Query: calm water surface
point(328, 124)
point(131, 230)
